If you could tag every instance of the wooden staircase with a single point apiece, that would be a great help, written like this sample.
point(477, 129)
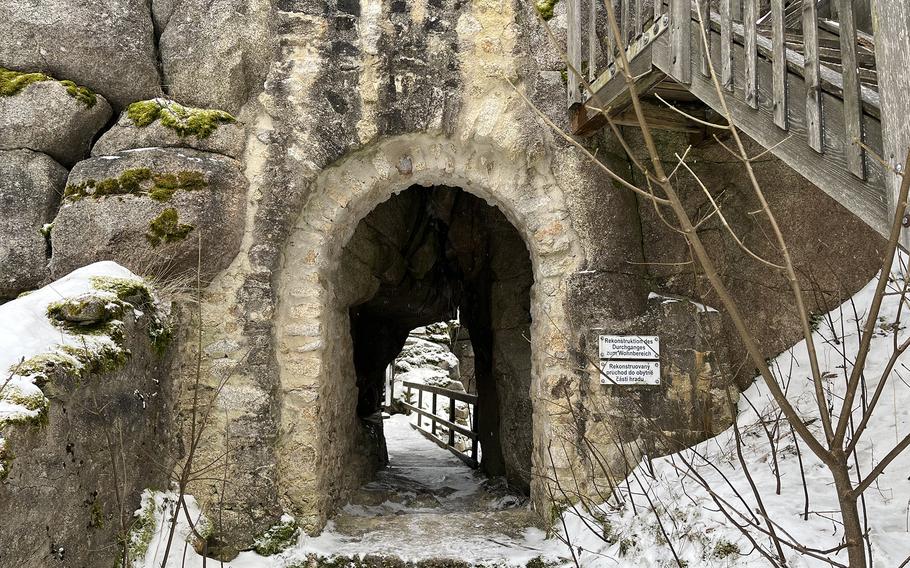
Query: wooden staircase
point(830, 100)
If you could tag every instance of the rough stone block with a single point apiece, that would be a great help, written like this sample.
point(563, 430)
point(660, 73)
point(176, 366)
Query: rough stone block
point(44, 117)
point(107, 45)
point(147, 209)
point(30, 187)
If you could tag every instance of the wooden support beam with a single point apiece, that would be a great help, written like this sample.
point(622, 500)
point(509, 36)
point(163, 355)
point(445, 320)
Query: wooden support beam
point(704, 18)
point(892, 53)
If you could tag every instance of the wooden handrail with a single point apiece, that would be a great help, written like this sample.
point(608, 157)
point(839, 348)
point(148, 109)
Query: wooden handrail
point(450, 424)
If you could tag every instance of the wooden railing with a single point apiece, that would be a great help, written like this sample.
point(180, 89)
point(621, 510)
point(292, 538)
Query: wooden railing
point(446, 426)
point(811, 80)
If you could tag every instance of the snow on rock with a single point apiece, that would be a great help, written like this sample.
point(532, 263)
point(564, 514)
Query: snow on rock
point(700, 533)
point(72, 322)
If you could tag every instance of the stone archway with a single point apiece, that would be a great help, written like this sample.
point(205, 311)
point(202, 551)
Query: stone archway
point(317, 451)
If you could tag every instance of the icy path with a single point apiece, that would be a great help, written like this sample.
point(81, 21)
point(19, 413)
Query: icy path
point(428, 504)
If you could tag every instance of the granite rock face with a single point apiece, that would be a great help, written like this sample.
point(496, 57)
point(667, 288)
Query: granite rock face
point(31, 184)
point(214, 54)
point(45, 118)
point(147, 208)
point(227, 139)
point(106, 45)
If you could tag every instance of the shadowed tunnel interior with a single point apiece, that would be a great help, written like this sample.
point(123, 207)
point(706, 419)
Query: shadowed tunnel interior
point(421, 257)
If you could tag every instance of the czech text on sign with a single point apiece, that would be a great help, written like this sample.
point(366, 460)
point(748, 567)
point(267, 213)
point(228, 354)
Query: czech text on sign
point(629, 359)
point(633, 347)
point(630, 372)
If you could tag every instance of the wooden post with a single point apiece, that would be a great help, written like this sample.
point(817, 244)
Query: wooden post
point(726, 44)
point(680, 40)
point(476, 432)
point(853, 112)
point(434, 414)
point(778, 64)
point(750, 47)
point(592, 41)
point(420, 406)
point(452, 420)
point(891, 21)
point(704, 20)
point(573, 50)
point(811, 72)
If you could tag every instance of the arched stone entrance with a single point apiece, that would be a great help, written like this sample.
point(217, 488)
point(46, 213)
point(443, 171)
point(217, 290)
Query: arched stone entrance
point(318, 446)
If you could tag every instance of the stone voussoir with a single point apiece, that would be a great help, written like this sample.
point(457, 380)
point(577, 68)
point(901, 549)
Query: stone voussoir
point(147, 208)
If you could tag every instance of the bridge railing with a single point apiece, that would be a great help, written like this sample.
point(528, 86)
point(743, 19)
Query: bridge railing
point(444, 428)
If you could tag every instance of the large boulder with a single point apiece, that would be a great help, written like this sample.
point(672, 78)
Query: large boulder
point(214, 53)
point(46, 117)
point(30, 187)
point(215, 132)
point(147, 209)
point(107, 45)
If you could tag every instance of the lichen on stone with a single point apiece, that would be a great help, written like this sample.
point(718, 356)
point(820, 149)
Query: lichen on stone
point(12, 82)
point(167, 228)
point(278, 537)
point(545, 8)
point(185, 121)
point(160, 186)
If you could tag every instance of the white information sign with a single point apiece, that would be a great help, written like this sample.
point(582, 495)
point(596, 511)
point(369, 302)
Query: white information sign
point(630, 347)
point(630, 372)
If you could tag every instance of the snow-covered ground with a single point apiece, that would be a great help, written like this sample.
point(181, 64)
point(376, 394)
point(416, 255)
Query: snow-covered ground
point(702, 536)
point(424, 520)
point(426, 505)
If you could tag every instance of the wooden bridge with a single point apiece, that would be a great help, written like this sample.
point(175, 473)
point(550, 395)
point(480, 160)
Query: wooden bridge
point(823, 84)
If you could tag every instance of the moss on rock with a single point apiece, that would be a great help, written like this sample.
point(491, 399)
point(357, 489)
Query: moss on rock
point(185, 121)
point(167, 228)
point(160, 186)
point(12, 82)
point(278, 537)
point(545, 8)
point(142, 531)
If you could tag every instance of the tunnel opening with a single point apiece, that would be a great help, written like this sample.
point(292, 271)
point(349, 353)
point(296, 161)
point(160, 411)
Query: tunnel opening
point(440, 259)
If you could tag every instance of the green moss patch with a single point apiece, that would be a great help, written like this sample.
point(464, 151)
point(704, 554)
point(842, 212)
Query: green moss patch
point(545, 8)
point(141, 532)
point(167, 228)
point(278, 537)
point(185, 121)
point(138, 295)
point(12, 82)
point(160, 186)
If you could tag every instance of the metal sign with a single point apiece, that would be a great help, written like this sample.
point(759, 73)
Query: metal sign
point(630, 372)
point(630, 347)
point(629, 359)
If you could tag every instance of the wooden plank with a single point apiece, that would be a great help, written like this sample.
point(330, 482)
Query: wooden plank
point(750, 17)
point(704, 19)
point(726, 44)
point(573, 50)
point(639, 20)
point(892, 52)
point(462, 396)
point(470, 462)
point(680, 40)
point(457, 427)
point(592, 40)
point(828, 171)
point(811, 76)
point(778, 64)
point(852, 111)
